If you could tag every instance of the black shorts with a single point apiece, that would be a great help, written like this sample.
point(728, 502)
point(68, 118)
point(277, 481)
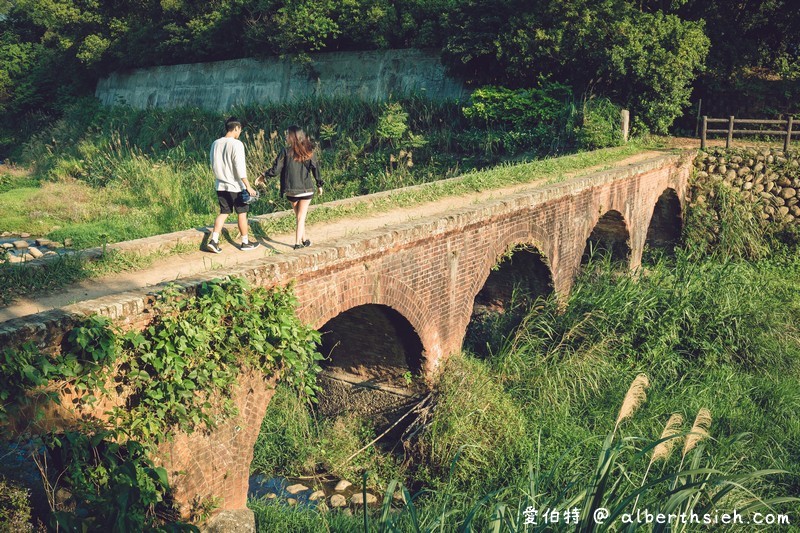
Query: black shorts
point(231, 201)
point(296, 198)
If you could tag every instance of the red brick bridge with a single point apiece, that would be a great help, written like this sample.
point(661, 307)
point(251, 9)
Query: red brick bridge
point(400, 298)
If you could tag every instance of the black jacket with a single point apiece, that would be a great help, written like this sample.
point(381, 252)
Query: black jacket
point(295, 175)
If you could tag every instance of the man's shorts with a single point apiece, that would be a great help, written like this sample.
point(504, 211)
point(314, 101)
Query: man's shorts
point(231, 201)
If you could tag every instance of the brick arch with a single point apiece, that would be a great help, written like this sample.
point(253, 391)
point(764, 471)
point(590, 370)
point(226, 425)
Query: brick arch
point(532, 235)
point(664, 223)
point(378, 289)
point(613, 228)
point(372, 341)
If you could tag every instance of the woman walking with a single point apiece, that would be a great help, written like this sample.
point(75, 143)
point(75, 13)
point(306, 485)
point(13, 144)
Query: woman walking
point(295, 164)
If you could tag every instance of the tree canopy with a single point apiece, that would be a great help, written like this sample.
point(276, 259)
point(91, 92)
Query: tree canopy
point(644, 55)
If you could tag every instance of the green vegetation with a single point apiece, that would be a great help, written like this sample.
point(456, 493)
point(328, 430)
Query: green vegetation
point(15, 509)
point(646, 56)
point(197, 347)
point(713, 327)
point(132, 174)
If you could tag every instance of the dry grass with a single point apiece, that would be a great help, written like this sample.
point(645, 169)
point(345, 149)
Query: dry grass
point(700, 429)
point(634, 398)
point(664, 449)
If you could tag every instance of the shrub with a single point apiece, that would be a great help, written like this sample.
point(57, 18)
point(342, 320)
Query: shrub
point(519, 108)
point(600, 127)
point(475, 420)
point(15, 507)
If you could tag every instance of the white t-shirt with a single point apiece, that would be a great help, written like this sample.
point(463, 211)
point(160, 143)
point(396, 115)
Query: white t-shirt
point(227, 162)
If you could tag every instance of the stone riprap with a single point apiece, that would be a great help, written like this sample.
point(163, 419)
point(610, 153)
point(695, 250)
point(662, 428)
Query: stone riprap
point(768, 177)
point(21, 248)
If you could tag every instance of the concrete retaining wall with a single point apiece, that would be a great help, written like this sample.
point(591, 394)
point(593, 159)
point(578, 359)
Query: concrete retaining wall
point(218, 86)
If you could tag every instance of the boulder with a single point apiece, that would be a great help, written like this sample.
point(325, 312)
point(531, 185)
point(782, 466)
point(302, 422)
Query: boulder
point(239, 520)
point(358, 499)
point(342, 485)
point(337, 500)
point(296, 488)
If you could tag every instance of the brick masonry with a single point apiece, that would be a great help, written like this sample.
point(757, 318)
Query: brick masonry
point(428, 270)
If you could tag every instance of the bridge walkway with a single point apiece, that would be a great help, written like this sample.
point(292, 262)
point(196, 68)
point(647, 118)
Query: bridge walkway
point(174, 267)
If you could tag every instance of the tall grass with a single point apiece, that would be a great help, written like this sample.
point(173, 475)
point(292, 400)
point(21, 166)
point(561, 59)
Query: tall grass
point(718, 339)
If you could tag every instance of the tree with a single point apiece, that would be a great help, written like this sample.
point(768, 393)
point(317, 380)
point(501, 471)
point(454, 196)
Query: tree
point(646, 61)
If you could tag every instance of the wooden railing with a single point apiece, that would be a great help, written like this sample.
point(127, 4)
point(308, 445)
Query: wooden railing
point(786, 132)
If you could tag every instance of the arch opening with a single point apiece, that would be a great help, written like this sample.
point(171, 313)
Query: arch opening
point(666, 224)
point(610, 236)
point(373, 365)
point(520, 277)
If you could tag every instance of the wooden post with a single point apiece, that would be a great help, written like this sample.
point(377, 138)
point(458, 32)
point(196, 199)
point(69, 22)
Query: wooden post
point(703, 130)
point(697, 122)
point(788, 139)
point(626, 122)
point(730, 132)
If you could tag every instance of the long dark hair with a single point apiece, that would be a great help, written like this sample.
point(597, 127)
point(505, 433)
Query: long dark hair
point(301, 146)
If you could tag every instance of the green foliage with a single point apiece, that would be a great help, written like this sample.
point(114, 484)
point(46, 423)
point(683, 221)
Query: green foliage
point(15, 507)
point(545, 117)
point(644, 61)
point(601, 124)
point(393, 123)
point(197, 346)
point(520, 108)
point(539, 118)
point(115, 487)
point(177, 374)
point(722, 224)
point(475, 421)
point(90, 349)
point(653, 60)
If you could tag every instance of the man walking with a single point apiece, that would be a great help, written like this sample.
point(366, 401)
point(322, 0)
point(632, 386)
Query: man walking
point(227, 162)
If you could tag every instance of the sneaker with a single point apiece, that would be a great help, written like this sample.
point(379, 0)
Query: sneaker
point(298, 246)
point(247, 246)
point(306, 242)
point(213, 246)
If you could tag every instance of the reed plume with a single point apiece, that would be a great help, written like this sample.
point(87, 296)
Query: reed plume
point(663, 450)
point(700, 429)
point(633, 399)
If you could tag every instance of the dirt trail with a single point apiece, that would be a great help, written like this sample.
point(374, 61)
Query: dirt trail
point(174, 267)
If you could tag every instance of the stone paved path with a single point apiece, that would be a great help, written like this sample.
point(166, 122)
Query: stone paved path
point(173, 267)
